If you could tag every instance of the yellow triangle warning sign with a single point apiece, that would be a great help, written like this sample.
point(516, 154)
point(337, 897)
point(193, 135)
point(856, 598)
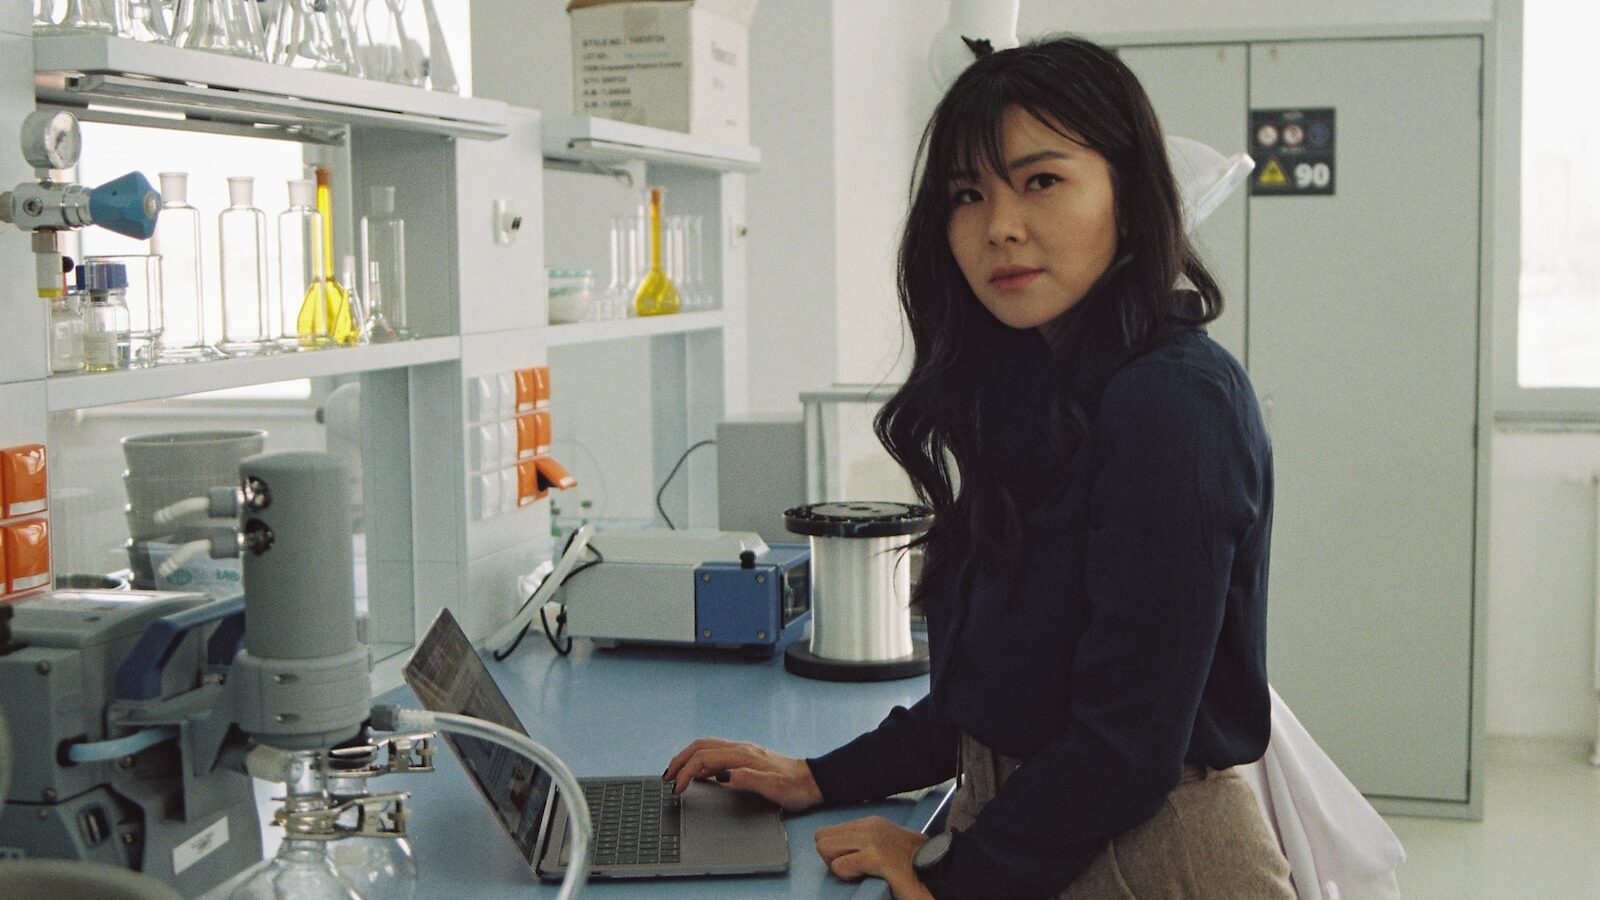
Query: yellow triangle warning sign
point(1272, 175)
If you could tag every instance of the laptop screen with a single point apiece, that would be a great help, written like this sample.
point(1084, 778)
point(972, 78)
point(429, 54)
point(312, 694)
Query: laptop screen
point(447, 676)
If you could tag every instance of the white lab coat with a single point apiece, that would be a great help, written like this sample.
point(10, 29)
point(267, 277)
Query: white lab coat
point(1338, 847)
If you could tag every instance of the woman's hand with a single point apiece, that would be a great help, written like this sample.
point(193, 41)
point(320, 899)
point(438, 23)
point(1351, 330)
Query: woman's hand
point(784, 780)
point(874, 846)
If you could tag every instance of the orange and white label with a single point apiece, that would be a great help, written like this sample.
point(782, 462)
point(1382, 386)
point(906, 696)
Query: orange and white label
point(527, 436)
point(528, 489)
point(527, 390)
point(23, 482)
point(541, 387)
point(27, 554)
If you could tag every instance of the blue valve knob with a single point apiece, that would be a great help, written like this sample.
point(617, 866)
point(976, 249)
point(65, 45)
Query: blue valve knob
point(127, 206)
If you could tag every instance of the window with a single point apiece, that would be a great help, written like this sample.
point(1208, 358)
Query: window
point(1558, 326)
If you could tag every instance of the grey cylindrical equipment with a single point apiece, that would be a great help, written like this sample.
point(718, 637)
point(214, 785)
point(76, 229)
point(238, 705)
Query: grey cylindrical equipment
point(860, 590)
point(301, 682)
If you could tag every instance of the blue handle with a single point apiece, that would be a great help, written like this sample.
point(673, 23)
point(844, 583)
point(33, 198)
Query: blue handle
point(139, 676)
point(127, 205)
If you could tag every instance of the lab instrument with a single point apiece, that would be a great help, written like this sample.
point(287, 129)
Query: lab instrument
point(383, 263)
point(691, 587)
point(242, 244)
point(126, 205)
point(657, 295)
point(303, 290)
point(861, 569)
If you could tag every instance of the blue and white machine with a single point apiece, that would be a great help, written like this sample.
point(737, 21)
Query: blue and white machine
point(697, 588)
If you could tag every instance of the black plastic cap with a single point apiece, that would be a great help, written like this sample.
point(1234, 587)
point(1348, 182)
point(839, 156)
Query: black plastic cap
point(858, 519)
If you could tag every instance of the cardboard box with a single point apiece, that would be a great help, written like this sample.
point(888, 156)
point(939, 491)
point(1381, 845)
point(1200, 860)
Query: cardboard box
point(681, 65)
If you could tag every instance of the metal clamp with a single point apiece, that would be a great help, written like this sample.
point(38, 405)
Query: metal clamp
point(376, 815)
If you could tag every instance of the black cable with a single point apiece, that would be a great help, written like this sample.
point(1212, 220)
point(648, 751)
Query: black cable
point(678, 465)
point(561, 617)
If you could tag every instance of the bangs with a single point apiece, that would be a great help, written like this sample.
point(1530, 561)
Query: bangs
point(966, 140)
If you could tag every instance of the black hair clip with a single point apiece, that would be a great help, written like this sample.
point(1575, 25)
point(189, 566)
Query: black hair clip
point(980, 47)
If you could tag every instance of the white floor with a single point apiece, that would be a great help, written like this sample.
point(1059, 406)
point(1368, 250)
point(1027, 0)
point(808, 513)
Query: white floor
point(1539, 838)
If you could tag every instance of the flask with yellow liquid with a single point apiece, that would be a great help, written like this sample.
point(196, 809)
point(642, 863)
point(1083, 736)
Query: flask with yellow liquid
point(657, 295)
point(327, 304)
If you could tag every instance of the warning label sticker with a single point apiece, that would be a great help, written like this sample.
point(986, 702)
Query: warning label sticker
point(1294, 152)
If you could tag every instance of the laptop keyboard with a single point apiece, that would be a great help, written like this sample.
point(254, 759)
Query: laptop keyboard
point(635, 822)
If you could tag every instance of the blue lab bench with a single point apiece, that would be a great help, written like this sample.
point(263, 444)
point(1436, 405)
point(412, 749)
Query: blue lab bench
point(626, 712)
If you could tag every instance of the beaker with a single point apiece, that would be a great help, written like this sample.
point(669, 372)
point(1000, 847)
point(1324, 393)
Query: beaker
point(220, 26)
point(242, 245)
point(312, 34)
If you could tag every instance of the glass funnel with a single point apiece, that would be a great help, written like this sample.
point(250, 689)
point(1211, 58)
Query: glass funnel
point(312, 34)
point(220, 26)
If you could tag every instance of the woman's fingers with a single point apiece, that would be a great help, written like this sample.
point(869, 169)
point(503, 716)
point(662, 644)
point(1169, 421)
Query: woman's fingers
point(850, 866)
point(708, 762)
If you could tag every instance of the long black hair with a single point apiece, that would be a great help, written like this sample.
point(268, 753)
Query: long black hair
point(990, 418)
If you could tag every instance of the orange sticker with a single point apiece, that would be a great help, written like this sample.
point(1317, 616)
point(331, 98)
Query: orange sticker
point(553, 474)
point(528, 488)
point(527, 390)
point(545, 431)
point(527, 436)
point(23, 480)
point(541, 386)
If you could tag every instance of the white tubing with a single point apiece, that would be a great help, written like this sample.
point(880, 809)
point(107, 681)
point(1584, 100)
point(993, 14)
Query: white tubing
point(579, 824)
point(182, 555)
point(182, 509)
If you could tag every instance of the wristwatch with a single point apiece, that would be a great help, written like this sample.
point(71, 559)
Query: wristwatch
point(930, 860)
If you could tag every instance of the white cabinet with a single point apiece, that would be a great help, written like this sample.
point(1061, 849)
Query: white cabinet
point(1361, 324)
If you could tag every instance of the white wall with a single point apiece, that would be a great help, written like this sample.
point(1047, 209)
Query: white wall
point(1092, 17)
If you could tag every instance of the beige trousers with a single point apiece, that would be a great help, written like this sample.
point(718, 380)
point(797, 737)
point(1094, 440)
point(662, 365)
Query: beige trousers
point(1208, 842)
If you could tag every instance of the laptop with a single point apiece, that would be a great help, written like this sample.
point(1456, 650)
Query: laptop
point(641, 829)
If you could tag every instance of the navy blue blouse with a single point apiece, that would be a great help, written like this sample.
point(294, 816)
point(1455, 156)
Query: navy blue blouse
point(1135, 640)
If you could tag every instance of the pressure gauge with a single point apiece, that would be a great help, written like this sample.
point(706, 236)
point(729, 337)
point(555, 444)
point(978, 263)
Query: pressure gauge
point(50, 139)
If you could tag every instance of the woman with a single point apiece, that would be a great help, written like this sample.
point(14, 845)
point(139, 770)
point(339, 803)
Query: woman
point(1095, 578)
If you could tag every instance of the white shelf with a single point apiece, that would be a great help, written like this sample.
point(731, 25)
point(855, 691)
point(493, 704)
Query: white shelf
point(588, 139)
point(80, 69)
point(69, 392)
point(621, 329)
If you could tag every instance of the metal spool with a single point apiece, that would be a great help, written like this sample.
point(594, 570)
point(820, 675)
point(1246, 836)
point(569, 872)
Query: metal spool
point(860, 591)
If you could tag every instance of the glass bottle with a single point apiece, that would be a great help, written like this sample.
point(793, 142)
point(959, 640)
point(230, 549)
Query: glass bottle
point(106, 339)
point(177, 242)
point(345, 328)
point(302, 869)
point(383, 260)
point(375, 866)
point(220, 26)
point(66, 332)
point(302, 278)
point(657, 295)
point(242, 244)
point(76, 16)
point(381, 42)
point(312, 34)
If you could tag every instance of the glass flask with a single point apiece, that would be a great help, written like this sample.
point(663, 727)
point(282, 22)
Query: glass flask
point(375, 866)
point(220, 26)
point(381, 43)
point(74, 16)
point(312, 34)
point(302, 278)
point(147, 21)
point(242, 245)
point(618, 293)
point(441, 72)
point(358, 303)
point(697, 264)
point(657, 295)
point(345, 328)
point(105, 317)
point(302, 869)
point(66, 333)
point(383, 262)
point(177, 242)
